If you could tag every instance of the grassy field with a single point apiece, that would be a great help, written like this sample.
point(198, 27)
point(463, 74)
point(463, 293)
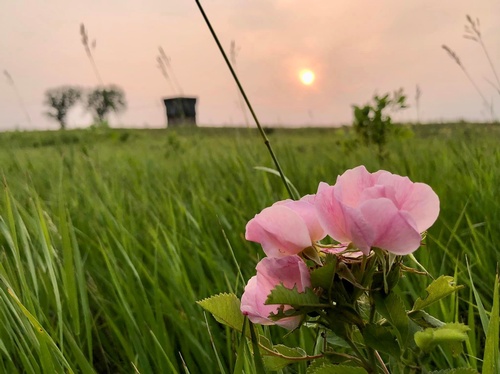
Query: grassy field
point(107, 238)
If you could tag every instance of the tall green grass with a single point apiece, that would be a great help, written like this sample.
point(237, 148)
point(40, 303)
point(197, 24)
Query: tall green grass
point(108, 238)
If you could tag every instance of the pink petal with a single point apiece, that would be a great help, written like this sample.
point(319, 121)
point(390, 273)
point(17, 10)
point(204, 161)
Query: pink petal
point(290, 271)
point(341, 250)
point(418, 199)
point(395, 231)
point(279, 230)
point(330, 213)
point(252, 304)
point(351, 184)
point(306, 210)
point(423, 205)
point(360, 230)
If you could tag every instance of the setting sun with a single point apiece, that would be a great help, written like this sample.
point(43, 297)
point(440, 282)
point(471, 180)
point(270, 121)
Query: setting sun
point(306, 77)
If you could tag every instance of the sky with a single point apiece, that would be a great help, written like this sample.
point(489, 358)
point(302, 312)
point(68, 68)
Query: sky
point(356, 49)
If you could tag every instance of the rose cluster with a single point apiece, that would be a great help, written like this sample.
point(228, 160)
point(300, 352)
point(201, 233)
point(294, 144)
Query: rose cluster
point(361, 211)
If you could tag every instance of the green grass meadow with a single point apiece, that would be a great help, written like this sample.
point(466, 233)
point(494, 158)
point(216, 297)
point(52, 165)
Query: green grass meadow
point(109, 237)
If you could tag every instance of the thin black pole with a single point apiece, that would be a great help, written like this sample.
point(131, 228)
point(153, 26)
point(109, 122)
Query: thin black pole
point(240, 87)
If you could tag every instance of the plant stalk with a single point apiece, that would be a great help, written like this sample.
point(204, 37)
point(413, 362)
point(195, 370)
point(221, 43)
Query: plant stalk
point(250, 108)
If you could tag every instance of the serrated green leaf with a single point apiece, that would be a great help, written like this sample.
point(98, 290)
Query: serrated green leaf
point(327, 368)
point(282, 357)
point(440, 288)
point(225, 308)
point(285, 296)
point(456, 371)
point(491, 359)
point(323, 276)
point(424, 319)
point(316, 364)
point(382, 339)
point(333, 339)
point(391, 307)
point(451, 335)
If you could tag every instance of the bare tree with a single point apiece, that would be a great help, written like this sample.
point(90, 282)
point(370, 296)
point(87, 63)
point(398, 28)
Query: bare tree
point(60, 100)
point(104, 100)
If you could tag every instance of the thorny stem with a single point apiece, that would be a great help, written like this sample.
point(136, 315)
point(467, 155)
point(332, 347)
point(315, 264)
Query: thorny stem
point(366, 364)
point(381, 362)
point(372, 353)
point(240, 87)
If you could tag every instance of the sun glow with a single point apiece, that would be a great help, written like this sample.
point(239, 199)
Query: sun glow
point(307, 77)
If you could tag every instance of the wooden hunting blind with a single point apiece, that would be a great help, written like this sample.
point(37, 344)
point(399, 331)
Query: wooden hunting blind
point(181, 111)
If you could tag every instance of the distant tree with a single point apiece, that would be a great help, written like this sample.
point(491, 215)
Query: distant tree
point(374, 125)
point(60, 100)
point(103, 100)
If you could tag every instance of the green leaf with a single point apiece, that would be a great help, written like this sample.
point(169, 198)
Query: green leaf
point(381, 339)
point(225, 308)
point(450, 335)
point(257, 357)
point(424, 319)
point(286, 296)
point(323, 276)
point(491, 359)
point(345, 273)
point(440, 288)
point(312, 254)
point(282, 356)
point(456, 371)
point(277, 173)
point(480, 307)
point(240, 357)
point(317, 363)
point(327, 368)
point(335, 340)
point(391, 307)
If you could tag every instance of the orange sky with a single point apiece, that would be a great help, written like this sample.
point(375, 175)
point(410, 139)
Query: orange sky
point(355, 48)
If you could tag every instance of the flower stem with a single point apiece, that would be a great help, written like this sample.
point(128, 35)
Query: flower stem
point(366, 364)
point(381, 362)
point(240, 87)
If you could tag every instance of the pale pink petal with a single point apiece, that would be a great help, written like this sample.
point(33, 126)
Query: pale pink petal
point(377, 191)
point(279, 230)
point(330, 213)
point(306, 210)
point(376, 210)
point(290, 271)
point(360, 230)
point(342, 250)
point(351, 184)
point(252, 304)
point(395, 230)
point(401, 186)
point(423, 205)
point(289, 323)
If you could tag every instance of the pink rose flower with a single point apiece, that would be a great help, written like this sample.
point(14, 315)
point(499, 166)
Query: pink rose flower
point(286, 228)
point(290, 271)
point(379, 209)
